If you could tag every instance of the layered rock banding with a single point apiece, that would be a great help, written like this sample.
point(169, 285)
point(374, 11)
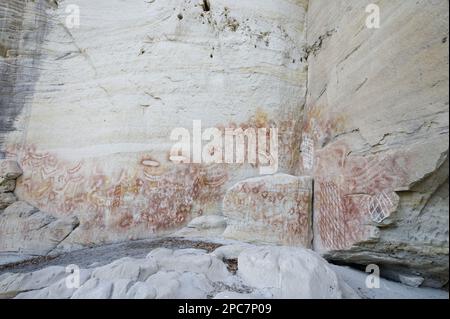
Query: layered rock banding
point(376, 116)
point(108, 161)
point(362, 116)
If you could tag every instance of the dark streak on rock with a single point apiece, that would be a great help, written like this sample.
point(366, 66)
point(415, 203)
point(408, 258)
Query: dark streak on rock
point(19, 67)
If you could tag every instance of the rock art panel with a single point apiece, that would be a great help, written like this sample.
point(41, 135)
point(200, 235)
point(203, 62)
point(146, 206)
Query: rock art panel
point(275, 209)
point(378, 125)
point(97, 124)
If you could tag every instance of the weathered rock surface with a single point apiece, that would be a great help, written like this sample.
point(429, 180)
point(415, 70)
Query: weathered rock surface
point(375, 136)
point(7, 185)
point(191, 260)
point(374, 131)
point(272, 209)
point(26, 230)
point(6, 199)
point(387, 289)
point(9, 172)
point(230, 251)
point(13, 284)
point(204, 226)
point(126, 268)
point(264, 272)
point(292, 273)
point(92, 132)
point(57, 290)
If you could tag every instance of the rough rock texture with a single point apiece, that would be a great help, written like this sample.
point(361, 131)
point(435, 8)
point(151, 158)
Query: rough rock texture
point(24, 229)
point(192, 260)
point(387, 290)
point(42, 280)
point(274, 209)
point(204, 226)
point(89, 122)
point(289, 272)
point(184, 274)
point(9, 172)
point(6, 199)
point(375, 136)
point(99, 119)
point(230, 251)
point(13, 284)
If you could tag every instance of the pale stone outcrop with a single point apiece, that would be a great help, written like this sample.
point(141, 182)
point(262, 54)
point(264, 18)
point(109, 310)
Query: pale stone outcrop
point(94, 288)
point(13, 284)
point(9, 172)
point(264, 272)
point(127, 268)
point(375, 135)
point(57, 290)
point(24, 229)
point(140, 291)
point(6, 199)
point(290, 272)
point(230, 251)
point(273, 209)
point(204, 226)
point(190, 260)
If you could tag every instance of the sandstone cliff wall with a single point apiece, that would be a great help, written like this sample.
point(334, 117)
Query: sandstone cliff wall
point(88, 112)
point(377, 120)
point(110, 92)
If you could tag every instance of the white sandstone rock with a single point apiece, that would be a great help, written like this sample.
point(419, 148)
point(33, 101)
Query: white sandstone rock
point(24, 229)
point(141, 290)
point(20, 209)
point(208, 222)
point(204, 226)
point(59, 290)
point(230, 251)
point(121, 288)
point(180, 285)
point(6, 199)
point(380, 158)
point(290, 272)
point(13, 284)
point(126, 268)
point(190, 260)
point(112, 101)
point(165, 283)
point(94, 288)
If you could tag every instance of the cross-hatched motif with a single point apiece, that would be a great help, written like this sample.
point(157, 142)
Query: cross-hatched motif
point(308, 152)
point(331, 198)
point(379, 207)
point(331, 223)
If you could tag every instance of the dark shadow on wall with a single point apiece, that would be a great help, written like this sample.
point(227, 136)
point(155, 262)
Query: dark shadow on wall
point(23, 25)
